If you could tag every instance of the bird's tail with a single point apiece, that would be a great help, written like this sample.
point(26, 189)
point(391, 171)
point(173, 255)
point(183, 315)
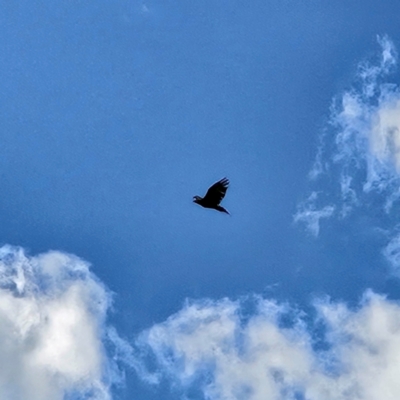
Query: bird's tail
point(222, 209)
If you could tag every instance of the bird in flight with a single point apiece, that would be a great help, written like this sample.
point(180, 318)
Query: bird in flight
point(214, 196)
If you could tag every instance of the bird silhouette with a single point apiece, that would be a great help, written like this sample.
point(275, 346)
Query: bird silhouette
point(214, 196)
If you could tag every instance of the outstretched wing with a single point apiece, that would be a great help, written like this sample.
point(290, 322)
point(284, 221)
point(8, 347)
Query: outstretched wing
point(217, 192)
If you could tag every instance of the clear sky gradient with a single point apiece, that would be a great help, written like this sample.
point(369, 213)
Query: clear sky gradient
point(114, 114)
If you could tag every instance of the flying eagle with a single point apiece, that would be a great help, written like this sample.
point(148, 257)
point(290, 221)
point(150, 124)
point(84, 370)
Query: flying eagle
point(214, 196)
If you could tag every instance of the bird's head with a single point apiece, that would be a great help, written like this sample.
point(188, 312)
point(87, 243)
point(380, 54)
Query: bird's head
point(196, 199)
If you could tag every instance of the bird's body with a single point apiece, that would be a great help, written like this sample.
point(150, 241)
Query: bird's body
point(214, 196)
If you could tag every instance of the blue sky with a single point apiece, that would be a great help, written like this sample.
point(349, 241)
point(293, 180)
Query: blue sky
point(114, 114)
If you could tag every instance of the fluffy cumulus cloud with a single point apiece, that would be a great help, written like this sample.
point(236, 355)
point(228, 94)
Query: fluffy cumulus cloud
point(52, 328)
point(233, 353)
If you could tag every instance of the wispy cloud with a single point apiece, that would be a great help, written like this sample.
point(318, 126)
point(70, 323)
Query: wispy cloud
point(310, 215)
point(364, 147)
point(392, 254)
point(272, 353)
point(367, 125)
point(52, 328)
point(358, 160)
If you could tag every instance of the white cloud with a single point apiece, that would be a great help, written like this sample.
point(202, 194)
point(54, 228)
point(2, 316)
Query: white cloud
point(358, 159)
point(392, 254)
point(367, 123)
point(385, 132)
point(52, 328)
point(231, 354)
point(310, 215)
